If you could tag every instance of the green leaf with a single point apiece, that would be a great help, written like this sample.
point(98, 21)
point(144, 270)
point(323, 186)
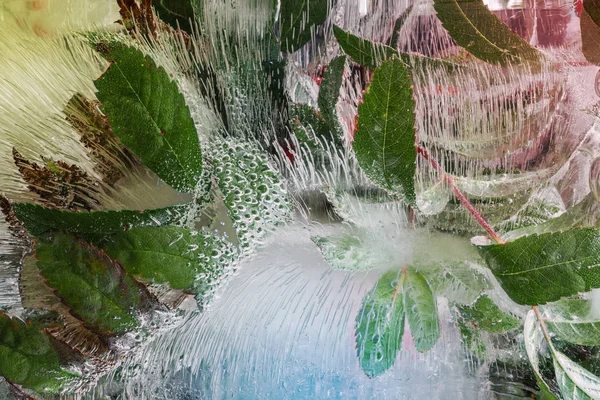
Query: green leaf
point(569, 308)
point(583, 214)
point(345, 252)
point(330, 92)
point(372, 55)
point(380, 325)
point(362, 51)
point(421, 311)
point(590, 31)
point(150, 117)
point(393, 42)
point(488, 317)
point(385, 140)
point(532, 336)
point(458, 282)
point(584, 333)
point(93, 225)
point(95, 287)
point(27, 357)
point(297, 19)
point(176, 13)
point(538, 269)
point(534, 213)
point(572, 320)
point(167, 254)
point(574, 381)
point(473, 26)
point(470, 337)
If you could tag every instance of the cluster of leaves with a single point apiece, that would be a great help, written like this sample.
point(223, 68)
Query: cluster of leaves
point(412, 292)
point(141, 119)
point(532, 270)
point(99, 267)
point(560, 262)
point(95, 262)
point(380, 323)
point(385, 147)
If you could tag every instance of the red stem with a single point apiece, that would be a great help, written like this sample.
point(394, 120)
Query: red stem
point(19, 390)
point(464, 201)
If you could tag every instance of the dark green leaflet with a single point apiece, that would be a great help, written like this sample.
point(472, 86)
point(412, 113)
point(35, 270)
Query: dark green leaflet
point(96, 288)
point(176, 13)
point(93, 225)
point(384, 142)
point(362, 51)
point(150, 117)
point(473, 26)
point(166, 254)
point(541, 268)
point(27, 357)
point(488, 317)
point(297, 20)
point(330, 92)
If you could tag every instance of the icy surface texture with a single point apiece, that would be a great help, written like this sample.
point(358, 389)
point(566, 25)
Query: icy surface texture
point(278, 321)
point(284, 329)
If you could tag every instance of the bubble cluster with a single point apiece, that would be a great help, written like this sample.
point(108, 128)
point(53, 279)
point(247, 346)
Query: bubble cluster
point(216, 261)
point(252, 190)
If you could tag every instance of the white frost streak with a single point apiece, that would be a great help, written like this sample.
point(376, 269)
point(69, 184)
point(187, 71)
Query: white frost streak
point(41, 69)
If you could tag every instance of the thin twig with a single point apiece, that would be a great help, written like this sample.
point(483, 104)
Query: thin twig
point(464, 201)
point(403, 274)
point(538, 314)
point(18, 391)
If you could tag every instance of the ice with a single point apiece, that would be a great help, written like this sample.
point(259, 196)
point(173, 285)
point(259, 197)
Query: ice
point(283, 328)
point(522, 144)
point(10, 259)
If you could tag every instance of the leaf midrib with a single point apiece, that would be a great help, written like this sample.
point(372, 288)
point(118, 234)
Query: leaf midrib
point(161, 253)
point(422, 308)
point(164, 138)
point(550, 266)
point(477, 30)
point(171, 11)
point(95, 289)
point(290, 29)
point(385, 129)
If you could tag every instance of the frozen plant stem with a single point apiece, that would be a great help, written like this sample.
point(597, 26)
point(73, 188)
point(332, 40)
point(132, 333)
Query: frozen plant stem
point(19, 391)
point(403, 275)
point(540, 319)
point(463, 200)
